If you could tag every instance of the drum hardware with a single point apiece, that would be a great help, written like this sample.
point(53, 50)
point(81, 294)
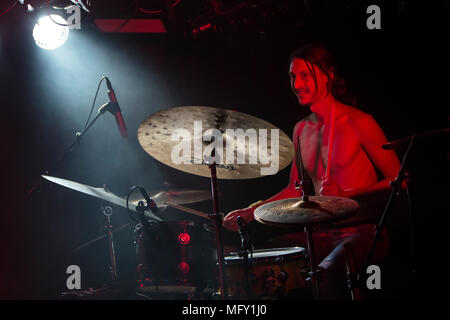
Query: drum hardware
point(353, 281)
point(162, 199)
point(107, 211)
point(246, 248)
point(220, 119)
point(426, 137)
point(155, 133)
point(216, 219)
point(101, 193)
point(396, 186)
point(142, 222)
point(84, 245)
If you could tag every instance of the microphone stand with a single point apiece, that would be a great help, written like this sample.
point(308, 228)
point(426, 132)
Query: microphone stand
point(76, 142)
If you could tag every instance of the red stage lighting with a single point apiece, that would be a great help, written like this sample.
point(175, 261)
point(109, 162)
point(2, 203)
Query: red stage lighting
point(183, 267)
point(184, 238)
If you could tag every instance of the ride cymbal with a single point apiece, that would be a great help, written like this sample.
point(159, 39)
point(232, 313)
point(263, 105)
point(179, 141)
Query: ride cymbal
point(167, 134)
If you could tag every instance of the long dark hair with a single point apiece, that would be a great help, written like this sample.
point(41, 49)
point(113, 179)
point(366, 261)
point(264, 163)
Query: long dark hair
point(321, 57)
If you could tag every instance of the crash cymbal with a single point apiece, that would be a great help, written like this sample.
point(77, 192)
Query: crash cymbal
point(101, 193)
point(173, 197)
point(294, 211)
point(163, 134)
point(440, 136)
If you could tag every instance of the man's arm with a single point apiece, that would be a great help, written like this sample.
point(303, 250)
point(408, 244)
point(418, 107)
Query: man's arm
point(372, 140)
point(288, 192)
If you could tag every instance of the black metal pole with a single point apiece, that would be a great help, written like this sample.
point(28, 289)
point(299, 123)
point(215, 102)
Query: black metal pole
point(396, 186)
point(312, 265)
point(217, 222)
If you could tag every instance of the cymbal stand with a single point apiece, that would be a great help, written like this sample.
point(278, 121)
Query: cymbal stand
point(312, 265)
point(396, 186)
point(305, 202)
point(216, 218)
point(246, 249)
point(107, 211)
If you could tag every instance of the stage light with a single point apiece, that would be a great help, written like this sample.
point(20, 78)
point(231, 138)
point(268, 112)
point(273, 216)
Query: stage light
point(50, 32)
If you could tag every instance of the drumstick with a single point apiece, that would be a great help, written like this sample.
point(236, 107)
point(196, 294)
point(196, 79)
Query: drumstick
point(298, 154)
point(330, 143)
point(189, 210)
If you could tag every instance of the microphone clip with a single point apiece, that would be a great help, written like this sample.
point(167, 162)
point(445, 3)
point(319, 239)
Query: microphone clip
point(150, 203)
point(110, 107)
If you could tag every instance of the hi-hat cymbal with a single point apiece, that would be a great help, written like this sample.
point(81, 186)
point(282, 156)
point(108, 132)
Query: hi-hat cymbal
point(157, 135)
point(101, 193)
point(295, 211)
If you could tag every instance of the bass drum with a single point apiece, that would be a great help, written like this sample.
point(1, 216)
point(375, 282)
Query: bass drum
point(274, 274)
point(174, 254)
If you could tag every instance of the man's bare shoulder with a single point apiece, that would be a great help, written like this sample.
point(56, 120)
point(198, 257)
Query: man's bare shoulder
point(356, 117)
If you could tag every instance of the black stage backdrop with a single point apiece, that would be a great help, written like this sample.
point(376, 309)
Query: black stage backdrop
point(399, 74)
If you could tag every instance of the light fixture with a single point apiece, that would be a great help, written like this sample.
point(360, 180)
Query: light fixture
point(50, 32)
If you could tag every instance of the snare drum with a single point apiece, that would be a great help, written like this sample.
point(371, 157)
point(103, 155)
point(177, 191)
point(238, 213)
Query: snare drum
point(274, 273)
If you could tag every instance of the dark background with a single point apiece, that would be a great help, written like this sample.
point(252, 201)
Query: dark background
point(399, 74)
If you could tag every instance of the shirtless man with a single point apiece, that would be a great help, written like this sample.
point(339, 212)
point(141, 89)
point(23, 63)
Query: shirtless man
point(356, 143)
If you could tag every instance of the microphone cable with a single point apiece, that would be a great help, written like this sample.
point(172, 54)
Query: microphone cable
point(93, 103)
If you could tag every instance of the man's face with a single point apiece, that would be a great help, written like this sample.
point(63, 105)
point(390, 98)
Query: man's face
point(303, 85)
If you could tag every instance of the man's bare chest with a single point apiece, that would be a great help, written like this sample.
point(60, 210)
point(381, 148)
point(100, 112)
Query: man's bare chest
point(315, 142)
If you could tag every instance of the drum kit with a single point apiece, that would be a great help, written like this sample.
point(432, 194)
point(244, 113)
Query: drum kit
point(198, 266)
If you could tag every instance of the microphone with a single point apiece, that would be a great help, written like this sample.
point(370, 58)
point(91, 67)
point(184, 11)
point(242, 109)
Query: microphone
point(115, 109)
point(151, 204)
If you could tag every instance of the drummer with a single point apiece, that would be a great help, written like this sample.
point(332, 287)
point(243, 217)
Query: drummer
point(357, 159)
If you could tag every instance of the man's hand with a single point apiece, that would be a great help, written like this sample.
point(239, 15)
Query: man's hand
point(331, 188)
point(230, 222)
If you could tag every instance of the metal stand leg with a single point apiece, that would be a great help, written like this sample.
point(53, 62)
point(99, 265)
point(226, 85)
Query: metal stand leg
point(352, 275)
point(217, 222)
point(312, 265)
point(107, 211)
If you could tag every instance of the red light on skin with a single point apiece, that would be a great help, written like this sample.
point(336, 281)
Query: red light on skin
point(183, 267)
point(184, 238)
